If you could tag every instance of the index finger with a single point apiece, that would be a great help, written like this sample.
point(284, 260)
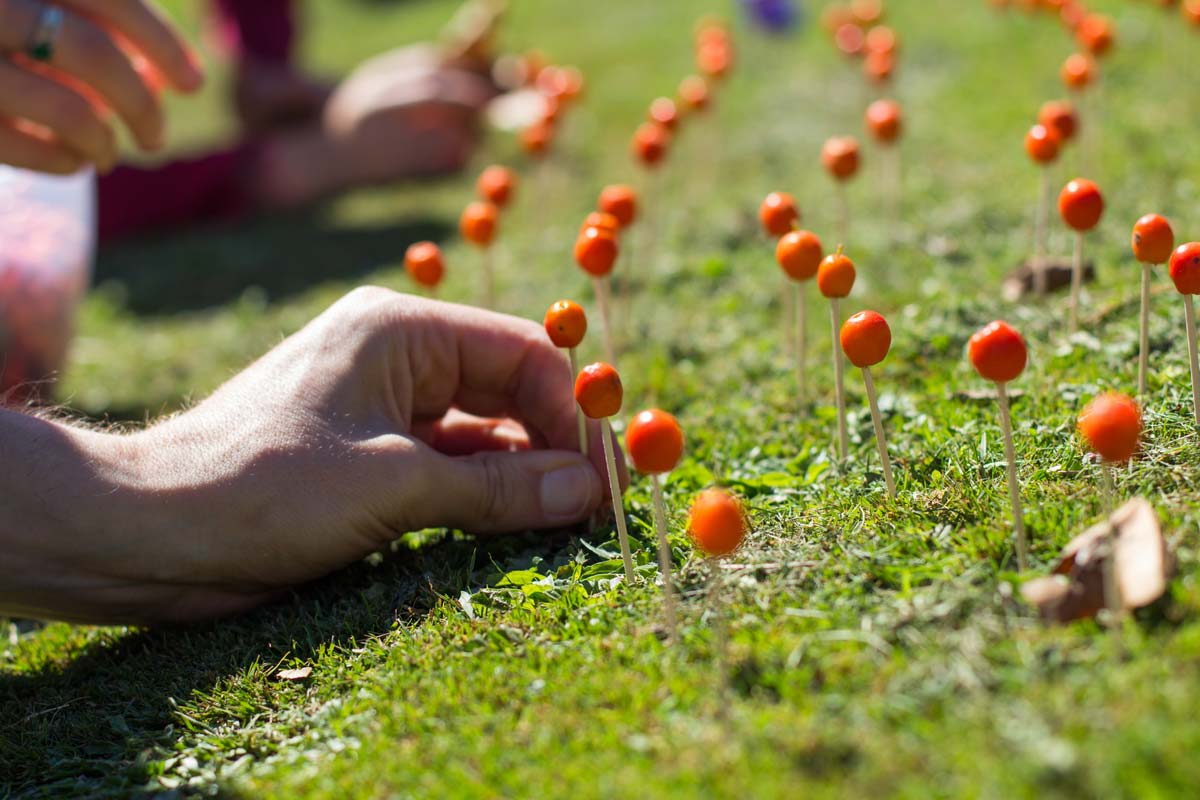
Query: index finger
point(145, 27)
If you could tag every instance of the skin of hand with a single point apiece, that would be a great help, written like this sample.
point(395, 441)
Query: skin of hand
point(110, 57)
point(385, 414)
point(402, 114)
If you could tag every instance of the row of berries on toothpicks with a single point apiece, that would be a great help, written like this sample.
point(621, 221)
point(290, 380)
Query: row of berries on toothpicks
point(654, 441)
point(478, 224)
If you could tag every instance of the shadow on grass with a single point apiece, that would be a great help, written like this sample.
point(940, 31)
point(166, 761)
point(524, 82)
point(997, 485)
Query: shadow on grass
point(282, 255)
point(100, 724)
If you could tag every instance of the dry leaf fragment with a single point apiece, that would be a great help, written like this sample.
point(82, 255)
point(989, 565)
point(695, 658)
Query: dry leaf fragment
point(294, 674)
point(1020, 282)
point(1139, 560)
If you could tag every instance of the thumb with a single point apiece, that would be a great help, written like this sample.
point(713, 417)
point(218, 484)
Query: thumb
point(505, 491)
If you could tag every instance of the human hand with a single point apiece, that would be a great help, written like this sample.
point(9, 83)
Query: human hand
point(107, 55)
point(318, 454)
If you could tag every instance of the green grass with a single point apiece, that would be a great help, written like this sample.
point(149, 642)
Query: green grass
point(877, 648)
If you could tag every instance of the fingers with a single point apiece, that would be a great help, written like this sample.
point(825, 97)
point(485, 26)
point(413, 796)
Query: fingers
point(501, 492)
point(87, 53)
point(447, 355)
point(144, 27)
point(21, 148)
point(459, 434)
point(74, 121)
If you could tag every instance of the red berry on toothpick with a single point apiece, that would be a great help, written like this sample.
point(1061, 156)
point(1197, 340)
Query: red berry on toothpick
point(1152, 243)
point(655, 443)
point(717, 523)
point(799, 254)
point(778, 213)
point(835, 279)
point(423, 262)
point(1081, 205)
point(599, 393)
point(478, 226)
point(496, 184)
point(1185, 273)
point(620, 201)
point(839, 156)
point(998, 353)
point(566, 324)
point(866, 339)
point(596, 253)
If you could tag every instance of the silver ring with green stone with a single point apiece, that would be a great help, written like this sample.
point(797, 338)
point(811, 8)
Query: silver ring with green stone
point(45, 33)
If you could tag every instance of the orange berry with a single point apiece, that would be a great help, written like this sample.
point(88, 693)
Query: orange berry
point(884, 120)
point(867, 12)
point(598, 390)
point(714, 58)
point(496, 184)
point(799, 254)
point(663, 111)
point(849, 39)
point(423, 261)
point(655, 442)
point(1041, 143)
point(1078, 71)
point(1191, 11)
point(620, 201)
point(565, 324)
point(536, 139)
point(840, 157)
point(1185, 268)
point(478, 223)
point(881, 39)
point(650, 143)
point(998, 352)
point(866, 338)
point(716, 522)
point(778, 213)
point(1095, 33)
point(1153, 239)
point(602, 220)
point(1112, 425)
point(835, 275)
point(1081, 204)
point(1061, 118)
point(1072, 15)
point(693, 92)
point(596, 251)
point(878, 66)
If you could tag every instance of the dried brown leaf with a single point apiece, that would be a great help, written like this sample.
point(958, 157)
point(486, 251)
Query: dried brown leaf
point(1140, 562)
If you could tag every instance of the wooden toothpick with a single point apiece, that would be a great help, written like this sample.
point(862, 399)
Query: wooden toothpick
point(880, 440)
point(614, 486)
point(580, 420)
point(1189, 317)
point(1076, 282)
point(664, 558)
point(1039, 234)
point(600, 285)
point(1014, 490)
point(798, 301)
point(843, 438)
point(1144, 344)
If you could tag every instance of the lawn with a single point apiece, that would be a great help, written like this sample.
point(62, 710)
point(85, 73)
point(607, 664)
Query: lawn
point(877, 648)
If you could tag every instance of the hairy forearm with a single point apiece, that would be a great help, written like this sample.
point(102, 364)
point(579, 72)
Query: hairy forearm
point(63, 493)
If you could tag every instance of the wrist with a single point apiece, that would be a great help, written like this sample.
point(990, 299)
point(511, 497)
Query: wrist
point(70, 516)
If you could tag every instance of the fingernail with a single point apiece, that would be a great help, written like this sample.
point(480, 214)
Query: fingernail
point(567, 493)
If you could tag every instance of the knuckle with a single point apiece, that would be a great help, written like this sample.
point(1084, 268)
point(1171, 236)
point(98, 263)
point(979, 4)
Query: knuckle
point(496, 494)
